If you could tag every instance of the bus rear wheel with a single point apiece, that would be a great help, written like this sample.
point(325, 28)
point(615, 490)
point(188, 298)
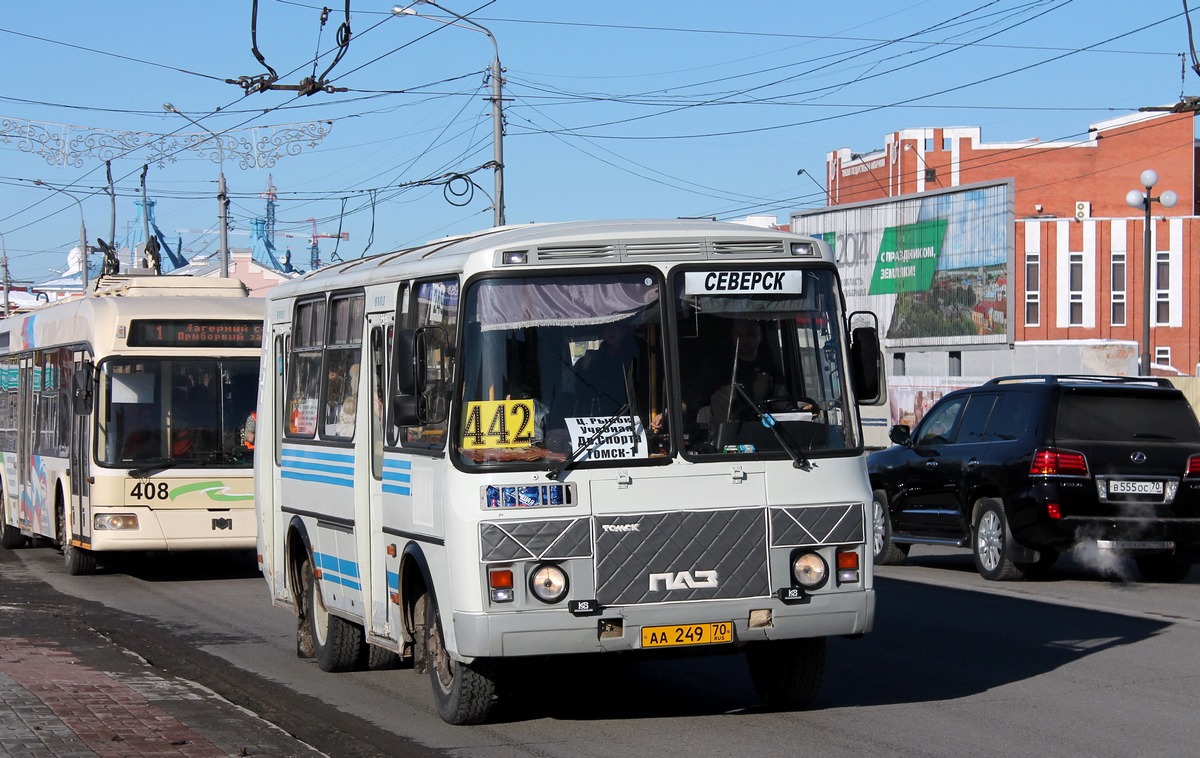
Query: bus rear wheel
point(336, 642)
point(787, 673)
point(12, 538)
point(465, 693)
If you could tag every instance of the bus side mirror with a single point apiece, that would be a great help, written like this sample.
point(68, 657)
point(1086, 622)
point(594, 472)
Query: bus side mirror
point(866, 366)
point(81, 388)
point(404, 352)
point(418, 393)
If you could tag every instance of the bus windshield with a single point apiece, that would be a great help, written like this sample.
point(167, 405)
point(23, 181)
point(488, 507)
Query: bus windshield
point(172, 411)
point(761, 372)
point(549, 360)
point(573, 370)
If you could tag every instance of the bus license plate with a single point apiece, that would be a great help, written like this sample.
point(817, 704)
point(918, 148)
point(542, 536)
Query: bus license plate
point(1121, 487)
point(687, 634)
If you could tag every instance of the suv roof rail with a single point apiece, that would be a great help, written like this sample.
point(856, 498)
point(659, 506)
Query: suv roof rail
point(1154, 381)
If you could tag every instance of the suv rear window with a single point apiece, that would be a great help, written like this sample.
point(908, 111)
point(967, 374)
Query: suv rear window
point(1091, 416)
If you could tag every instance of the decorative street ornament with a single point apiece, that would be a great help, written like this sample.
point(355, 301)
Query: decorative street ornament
point(67, 145)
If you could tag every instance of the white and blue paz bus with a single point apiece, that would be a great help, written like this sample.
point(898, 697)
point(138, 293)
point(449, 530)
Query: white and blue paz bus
point(604, 437)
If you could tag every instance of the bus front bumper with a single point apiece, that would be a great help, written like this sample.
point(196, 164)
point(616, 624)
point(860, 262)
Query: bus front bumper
point(558, 632)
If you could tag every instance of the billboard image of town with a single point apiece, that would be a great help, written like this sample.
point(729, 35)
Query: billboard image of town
point(933, 267)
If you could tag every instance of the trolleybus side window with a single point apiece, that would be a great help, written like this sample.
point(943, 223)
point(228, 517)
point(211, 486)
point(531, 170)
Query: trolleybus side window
point(9, 384)
point(343, 358)
point(304, 369)
point(52, 413)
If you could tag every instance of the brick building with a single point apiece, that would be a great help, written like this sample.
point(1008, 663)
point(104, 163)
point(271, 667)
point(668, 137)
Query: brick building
point(1076, 263)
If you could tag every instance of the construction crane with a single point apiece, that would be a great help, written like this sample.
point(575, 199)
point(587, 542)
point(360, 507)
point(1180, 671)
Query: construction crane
point(314, 258)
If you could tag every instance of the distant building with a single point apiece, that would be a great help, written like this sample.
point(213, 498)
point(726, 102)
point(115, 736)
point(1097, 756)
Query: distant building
point(1069, 244)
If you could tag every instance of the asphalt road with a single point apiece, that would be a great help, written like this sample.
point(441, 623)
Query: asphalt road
point(1081, 662)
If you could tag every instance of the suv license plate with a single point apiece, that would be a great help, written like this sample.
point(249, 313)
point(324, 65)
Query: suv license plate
point(1122, 487)
point(687, 634)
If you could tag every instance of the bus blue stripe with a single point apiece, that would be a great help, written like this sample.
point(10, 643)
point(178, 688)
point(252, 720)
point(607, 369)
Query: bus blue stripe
point(391, 490)
point(343, 470)
point(397, 463)
point(292, 452)
point(318, 479)
point(347, 583)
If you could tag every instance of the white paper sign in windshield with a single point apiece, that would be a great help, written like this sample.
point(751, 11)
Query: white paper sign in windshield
point(743, 282)
point(623, 438)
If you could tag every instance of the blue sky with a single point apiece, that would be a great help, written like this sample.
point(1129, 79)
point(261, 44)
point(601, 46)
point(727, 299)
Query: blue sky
point(612, 110)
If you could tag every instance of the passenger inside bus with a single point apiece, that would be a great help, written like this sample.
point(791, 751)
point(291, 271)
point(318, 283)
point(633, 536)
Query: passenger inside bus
point(604, 371)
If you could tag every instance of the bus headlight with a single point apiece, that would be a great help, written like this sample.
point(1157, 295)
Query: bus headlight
point(548, 583)
point(114, 521)
point(810, 570)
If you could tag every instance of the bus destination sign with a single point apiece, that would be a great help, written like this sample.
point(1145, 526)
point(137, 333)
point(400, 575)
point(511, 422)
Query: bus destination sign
point(194, 333)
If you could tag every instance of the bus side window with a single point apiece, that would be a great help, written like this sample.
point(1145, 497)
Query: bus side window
point(436, 305)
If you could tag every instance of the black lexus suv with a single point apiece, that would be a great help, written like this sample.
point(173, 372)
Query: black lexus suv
point(1023, 468)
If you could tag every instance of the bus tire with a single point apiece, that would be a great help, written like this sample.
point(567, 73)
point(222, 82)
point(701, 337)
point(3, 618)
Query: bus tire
point(336, 642)
point(79, 562)
point(12, 538)
point(465, 693)
point(787, 673)
point(375, 658)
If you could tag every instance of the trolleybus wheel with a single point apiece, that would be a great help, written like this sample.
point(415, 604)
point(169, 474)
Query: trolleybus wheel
point(465, 693)
point(79, 562)
point(787, 673)
point(336, 642)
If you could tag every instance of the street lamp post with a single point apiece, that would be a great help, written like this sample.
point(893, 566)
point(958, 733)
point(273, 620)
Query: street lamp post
point(222, 197)
point(496, 98)
point(83, 246)
point(1144, 200)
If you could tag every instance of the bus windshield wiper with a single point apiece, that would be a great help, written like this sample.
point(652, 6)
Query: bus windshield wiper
point(141, 472)
point(631, 405)
point(558, 470)
point(767, 420)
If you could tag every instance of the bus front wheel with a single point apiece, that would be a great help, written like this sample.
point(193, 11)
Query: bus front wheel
point(79, 562)
point(465, 693)
point(336, 642)
point(787, 673)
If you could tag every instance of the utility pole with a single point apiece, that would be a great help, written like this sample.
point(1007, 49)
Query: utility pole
point(4, 263)
point(497, 97)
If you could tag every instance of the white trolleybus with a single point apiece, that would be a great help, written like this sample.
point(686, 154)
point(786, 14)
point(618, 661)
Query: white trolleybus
point(121, 418)
point(608, 437)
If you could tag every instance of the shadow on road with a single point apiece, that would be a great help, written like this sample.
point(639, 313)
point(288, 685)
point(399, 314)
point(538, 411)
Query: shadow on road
point(930, 644)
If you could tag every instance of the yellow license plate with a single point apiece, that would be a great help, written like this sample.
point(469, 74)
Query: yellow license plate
point(687, 634)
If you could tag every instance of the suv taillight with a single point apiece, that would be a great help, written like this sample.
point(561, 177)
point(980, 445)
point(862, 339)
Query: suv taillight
point(1193, 467)
point(1051, 462)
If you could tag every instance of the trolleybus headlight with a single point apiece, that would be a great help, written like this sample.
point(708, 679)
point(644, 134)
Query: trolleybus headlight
point(810, 570)
point(548, 583)
point(113, 521)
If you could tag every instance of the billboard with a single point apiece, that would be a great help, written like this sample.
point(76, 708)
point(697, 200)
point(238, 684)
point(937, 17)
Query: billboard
point(934, 266)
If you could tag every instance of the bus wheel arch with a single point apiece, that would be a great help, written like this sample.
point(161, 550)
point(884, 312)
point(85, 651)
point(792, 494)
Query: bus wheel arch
point(335, 642)
point(415, 581)
point(298, 573)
